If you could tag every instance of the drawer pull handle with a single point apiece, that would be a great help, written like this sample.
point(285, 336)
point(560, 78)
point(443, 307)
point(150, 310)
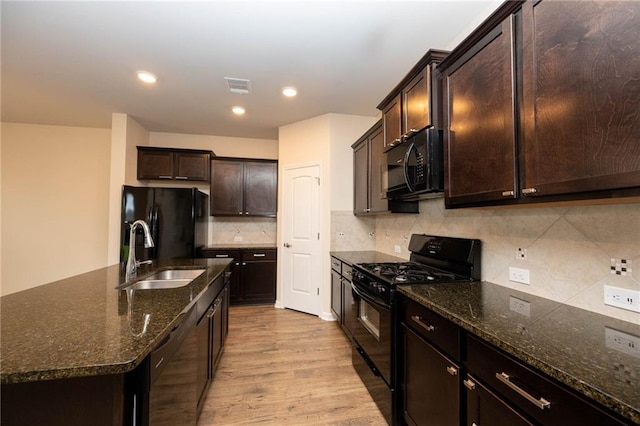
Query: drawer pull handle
point(452, 370)
point(540, 403)
point(469, 384)
point(508, 193)
point(529, 191)
point(222, 255)
point(418, 320)
point(259, 255)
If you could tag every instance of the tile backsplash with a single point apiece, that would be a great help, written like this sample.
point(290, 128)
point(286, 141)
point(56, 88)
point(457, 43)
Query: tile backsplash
point(568, 250)
point(250, 230)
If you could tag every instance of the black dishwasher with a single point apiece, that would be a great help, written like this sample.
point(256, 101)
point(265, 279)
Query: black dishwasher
point(172, 377)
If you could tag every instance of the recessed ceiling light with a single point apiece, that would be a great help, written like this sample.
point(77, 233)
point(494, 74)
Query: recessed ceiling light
point(238, 110)
point(289, 92)
point(147, 77)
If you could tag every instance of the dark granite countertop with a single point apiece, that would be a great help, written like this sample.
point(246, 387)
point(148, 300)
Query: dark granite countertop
point(351, 257)
point(567, 343)
point(240, 245)
point(80, 326)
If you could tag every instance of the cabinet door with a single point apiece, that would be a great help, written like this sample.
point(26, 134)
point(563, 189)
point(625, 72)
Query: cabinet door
point(261, 188)
point(485, 408)
point(192, 166)
point(226, 188)
point(155, 164)
point(416, 112)
point(581, 96)
point(259, 282)
point(336, 295)
point(431, 384)
point(202, 336)
point(392, 121)
point(361, 178)
point(479, 113)
point(377, 168)
point(217, 335)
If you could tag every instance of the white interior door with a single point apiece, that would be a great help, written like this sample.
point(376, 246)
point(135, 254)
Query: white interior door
point(301, 251)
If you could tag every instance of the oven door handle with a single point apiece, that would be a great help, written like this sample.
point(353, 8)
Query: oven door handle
point(369, 299)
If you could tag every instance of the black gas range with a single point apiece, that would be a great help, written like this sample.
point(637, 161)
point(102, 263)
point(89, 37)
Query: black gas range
point(433, 260)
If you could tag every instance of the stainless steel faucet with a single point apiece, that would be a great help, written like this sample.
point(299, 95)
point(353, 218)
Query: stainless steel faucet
point(132, 263)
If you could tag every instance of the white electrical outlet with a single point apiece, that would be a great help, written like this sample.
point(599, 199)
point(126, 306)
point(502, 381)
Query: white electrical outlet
point(622, 298)
point(519, 275)
point(397, 249)
point(520, 306)
point(237, 238)
point(622, 342)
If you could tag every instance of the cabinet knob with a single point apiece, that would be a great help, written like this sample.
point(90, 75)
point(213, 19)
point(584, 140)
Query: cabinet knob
point(246, 212)
point(240, 213)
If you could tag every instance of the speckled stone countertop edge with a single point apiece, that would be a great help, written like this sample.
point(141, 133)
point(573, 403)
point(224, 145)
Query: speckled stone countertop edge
point(202, 283)
point(569, 380)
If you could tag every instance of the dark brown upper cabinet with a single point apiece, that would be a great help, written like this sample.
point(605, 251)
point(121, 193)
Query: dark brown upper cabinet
point(581, 96)
point(173, 164)
point(480, 122)
point(369, 173)
point(243, 187)
point(540, 105)
point(412, 104)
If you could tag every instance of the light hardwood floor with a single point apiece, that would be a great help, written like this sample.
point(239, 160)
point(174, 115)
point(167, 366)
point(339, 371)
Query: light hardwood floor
point(282, 367)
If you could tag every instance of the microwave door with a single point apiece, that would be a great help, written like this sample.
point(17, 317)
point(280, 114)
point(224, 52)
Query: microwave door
point(410, 163)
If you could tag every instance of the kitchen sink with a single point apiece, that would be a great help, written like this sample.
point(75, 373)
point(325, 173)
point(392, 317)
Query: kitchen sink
point(170, 278)
point(175, 274)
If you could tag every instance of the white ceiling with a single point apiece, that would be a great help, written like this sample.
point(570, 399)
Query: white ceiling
point(74, 63)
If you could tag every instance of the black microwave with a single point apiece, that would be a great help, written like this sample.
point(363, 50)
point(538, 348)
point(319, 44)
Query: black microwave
point(415, 167)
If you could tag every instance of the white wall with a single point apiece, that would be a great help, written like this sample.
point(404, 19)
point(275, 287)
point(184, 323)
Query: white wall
point(126, 134)
point(55, 203)
point(322, 140)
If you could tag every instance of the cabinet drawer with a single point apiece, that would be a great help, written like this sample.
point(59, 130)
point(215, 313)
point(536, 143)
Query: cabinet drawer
point(336, 265)
point(248, 255)
point(532, 393)
point(221, 254)
point(434, 328)
point(347, 271)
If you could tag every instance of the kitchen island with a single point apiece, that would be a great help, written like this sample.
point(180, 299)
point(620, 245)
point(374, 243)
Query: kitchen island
point(86, 331)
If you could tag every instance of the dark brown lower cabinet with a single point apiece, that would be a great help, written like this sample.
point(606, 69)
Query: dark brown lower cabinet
point(431, 385)
point(253, 274)
point(336, 295)
point(485, 408)
point(211, 332)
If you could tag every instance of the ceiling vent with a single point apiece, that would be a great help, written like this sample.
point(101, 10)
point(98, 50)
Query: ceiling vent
point(238, 85)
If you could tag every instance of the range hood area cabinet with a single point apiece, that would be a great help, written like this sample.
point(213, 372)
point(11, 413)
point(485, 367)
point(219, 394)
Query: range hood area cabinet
point(244, 187)
point(173, 164)
point(369, 174)
point(538, 106)
point(413, 104)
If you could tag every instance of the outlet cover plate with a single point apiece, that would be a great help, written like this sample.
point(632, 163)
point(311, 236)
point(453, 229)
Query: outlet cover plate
point(519, 275)
point(397, 249)
point(622, 298)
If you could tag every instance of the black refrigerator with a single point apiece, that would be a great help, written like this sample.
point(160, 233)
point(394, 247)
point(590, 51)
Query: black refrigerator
point(177, 218)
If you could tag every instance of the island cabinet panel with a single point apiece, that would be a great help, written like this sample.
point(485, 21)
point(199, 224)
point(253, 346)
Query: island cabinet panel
point(479, 105)
point(244, 187)
point(96, 400)
point(581, 96)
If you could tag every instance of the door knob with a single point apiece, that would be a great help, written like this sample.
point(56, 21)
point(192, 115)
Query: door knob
point(287, 245)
